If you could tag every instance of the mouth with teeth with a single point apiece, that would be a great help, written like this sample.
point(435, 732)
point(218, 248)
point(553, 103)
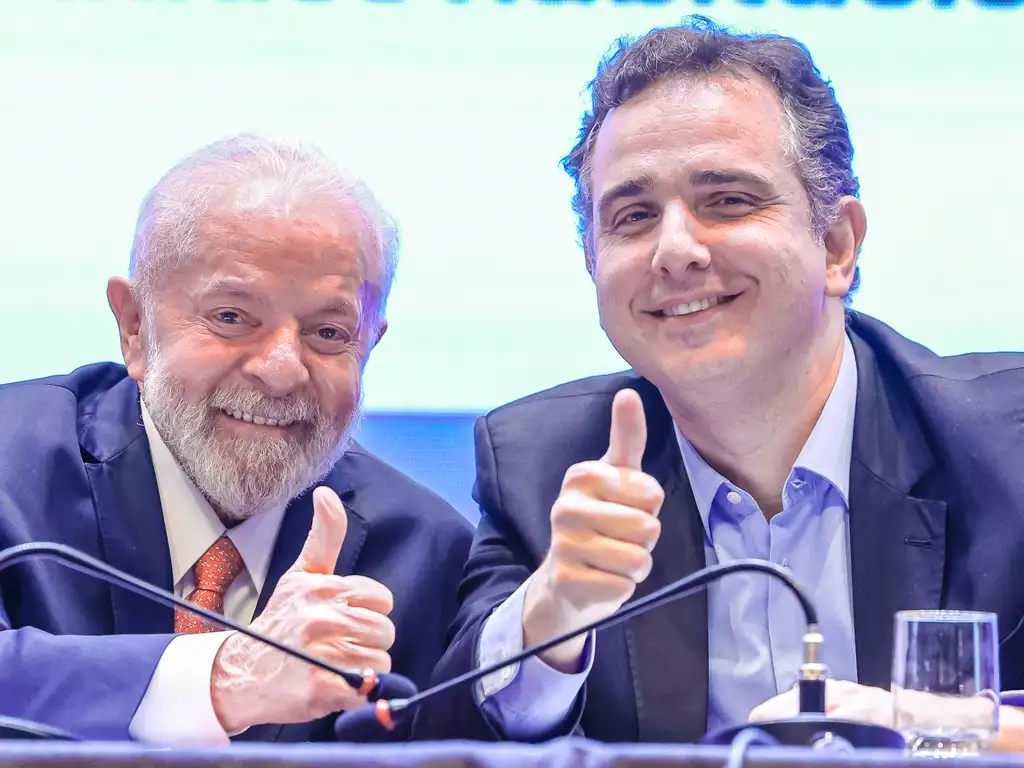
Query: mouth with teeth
point(693, 307)
point(252, 418)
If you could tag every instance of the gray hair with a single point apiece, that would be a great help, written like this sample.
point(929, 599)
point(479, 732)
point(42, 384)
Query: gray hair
point(816, 134)
point(251, 168)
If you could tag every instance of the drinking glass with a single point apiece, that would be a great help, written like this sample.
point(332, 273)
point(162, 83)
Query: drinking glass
point(945, 681)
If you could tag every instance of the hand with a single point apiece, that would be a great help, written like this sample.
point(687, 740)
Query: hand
point(860, 703)
point(603, 527)
point(340, 619)
point(843, 701)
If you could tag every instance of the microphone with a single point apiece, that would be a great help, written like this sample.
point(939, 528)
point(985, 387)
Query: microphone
point(395, 696)
point(366, 682)
point(367, 721)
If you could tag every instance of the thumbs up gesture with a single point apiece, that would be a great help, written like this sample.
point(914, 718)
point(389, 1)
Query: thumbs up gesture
point(604, 525)
point(341, 619)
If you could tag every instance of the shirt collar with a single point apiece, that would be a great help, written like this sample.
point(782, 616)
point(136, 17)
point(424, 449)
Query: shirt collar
point(192, 525)
point(826, 453)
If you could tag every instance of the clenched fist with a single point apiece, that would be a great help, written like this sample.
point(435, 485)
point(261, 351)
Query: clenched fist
point(604, 525)
point(340, 619)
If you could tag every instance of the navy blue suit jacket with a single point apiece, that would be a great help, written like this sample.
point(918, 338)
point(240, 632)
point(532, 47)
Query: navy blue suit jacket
point(936, 521)
point(75, 467)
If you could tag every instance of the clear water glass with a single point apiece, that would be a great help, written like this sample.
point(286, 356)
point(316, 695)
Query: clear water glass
point(945, 681)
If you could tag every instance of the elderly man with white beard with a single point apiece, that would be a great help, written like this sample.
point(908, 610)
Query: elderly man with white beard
point(217, 463)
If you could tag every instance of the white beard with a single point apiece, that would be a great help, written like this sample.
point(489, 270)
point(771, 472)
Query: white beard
point(242, 477)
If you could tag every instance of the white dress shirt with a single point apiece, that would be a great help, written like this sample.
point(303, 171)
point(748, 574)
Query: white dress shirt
point(177, 708)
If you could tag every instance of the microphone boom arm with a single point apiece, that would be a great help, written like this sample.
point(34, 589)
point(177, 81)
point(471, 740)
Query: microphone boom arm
point(367, 683)
point(364, 682)
point(666, 594)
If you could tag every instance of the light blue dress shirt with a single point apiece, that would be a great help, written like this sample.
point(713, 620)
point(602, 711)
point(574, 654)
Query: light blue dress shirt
point(754, 624)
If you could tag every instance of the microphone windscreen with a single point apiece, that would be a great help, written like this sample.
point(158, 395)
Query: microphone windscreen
point(360, 725)
point(392, 686)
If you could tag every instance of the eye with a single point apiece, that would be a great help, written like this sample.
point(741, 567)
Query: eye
point(330, 338)
point(228, 317)
point(231, 323)
point(732, 203)
point(633, 218)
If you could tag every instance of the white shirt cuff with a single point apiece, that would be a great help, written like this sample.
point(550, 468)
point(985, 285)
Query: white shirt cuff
point(531, 699)
point(178, 708)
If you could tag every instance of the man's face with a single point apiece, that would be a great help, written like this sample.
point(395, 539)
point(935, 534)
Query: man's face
point(706, 261)
point(251, 365)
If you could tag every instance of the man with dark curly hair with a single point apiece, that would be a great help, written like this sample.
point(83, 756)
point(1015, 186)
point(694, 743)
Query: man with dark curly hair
point(762, 418)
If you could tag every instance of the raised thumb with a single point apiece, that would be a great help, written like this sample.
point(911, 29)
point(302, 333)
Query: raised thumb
point(326, 535)
point(628, 437)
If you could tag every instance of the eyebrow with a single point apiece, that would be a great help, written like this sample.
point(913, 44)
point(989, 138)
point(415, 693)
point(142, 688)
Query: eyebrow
point(340, 307)
point(730, 176)
point(236, 289)
point(641, 184)
point(229, 286)
point(627, 188)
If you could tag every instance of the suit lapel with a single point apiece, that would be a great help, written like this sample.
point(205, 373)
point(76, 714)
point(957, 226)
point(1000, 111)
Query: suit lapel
point(295, 527)
point(128, 508)
point(897, 539)
point(668, 647)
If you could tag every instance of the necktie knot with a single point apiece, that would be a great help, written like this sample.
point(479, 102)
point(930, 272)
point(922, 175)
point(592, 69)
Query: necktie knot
point(218, 567)
point(214, 573)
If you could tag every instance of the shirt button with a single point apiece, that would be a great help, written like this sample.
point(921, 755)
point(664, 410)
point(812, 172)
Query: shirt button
point(733, 497)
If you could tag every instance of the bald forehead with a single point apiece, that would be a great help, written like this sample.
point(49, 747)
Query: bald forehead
point(267, 208)
point(274, 195)
point(271, 196)
point(305, 235)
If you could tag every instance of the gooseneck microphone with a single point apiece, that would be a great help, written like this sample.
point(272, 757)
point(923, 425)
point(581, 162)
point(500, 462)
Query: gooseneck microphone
point(366, 682)
point(364, 722)
point(395, 696)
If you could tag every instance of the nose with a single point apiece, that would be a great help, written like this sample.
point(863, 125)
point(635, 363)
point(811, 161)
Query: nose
point(277, 364)
point(678, 247)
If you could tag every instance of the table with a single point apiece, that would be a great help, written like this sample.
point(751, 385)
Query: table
point(568, 753)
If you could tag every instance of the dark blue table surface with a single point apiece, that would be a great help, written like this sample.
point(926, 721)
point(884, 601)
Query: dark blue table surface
point(574, 753)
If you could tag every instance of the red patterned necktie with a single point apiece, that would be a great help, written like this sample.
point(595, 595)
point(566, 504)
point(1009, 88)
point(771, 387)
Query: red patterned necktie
point(214, 572)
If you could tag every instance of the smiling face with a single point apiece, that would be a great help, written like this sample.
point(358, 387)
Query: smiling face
point(707, 266)
point(250, 357)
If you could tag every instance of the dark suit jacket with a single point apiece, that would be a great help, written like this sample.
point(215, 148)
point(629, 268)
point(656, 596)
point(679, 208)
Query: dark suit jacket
point(936, 521)
point(75, 467)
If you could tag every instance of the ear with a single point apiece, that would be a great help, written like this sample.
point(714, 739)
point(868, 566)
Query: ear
point(373, 340)
point(843, 241)
point(128, 314)
point(382, 327)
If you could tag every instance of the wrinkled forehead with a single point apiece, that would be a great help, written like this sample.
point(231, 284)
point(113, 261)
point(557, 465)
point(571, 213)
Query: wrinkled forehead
point(291, 233)
point(333, 208)
point(300, 233)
